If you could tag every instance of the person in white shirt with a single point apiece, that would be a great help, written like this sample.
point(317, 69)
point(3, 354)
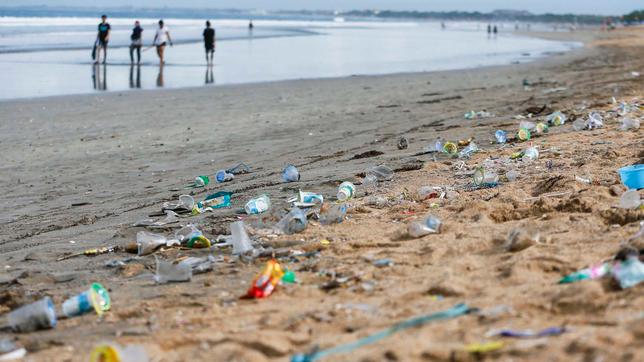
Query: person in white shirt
point(162, 38)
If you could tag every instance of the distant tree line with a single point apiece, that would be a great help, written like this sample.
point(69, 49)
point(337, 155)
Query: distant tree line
point(636, 17)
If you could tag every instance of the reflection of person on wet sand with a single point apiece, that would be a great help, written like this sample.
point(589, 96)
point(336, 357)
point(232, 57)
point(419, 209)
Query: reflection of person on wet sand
point(100, 81)
point(161, 39)
point(210, 77)
point(136, 84)
point(160, 76)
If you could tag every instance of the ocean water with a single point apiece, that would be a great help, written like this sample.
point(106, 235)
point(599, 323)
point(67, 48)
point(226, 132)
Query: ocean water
point(49, 56)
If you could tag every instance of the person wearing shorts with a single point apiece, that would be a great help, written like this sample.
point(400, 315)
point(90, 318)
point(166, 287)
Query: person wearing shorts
point(102, 38)
point(209, 42)
point(137, 42)
point(161, 39)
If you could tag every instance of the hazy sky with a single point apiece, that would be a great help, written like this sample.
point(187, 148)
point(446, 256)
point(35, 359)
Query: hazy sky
point(535, 6)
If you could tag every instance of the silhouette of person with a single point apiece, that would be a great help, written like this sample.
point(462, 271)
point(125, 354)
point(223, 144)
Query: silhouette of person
point(210, 77)
point(135, 82)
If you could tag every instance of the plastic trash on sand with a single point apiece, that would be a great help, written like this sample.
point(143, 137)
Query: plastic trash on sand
point(630, 200)
point(147, 243)
point(501, 136)
point(201, 181)
point(556, 119)
point(333, 215)
point(524, 134)
point(290, 174)
point(258, 205)
point(629, 273)
point(240, 240)
point(9, 351)
point(429, 225)
point(546, 332)
point(307, 199)
point(214, 201)
point(595, 120)
point(32, 317)
point(96, 299)
point(483, 176)
point(185, 204)
point(116, 353)
point(346, 191)
point(167, 272)
point(223, 176)
point(381, 173)
point(192, 237)
point(293, 222)
point(632, 176)
point(265, 282)
point(531, 153)
point(468, 151)
point(629, 123)
point(594, 272)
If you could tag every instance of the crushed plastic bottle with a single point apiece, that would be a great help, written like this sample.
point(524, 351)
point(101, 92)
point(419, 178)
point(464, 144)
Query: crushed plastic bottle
point(629, 123)
point(469, 150)
point(265, 282)
point(167, 272)
point(556, 119)
point(293, 222)
point(629, 273)
point(258, 205)
point(381, 173)
point(116, 353)
point(630, 200)
point(192, 237)
point(240, 240)
point(147, 243)
point(595, 120)
point(223, 176)
point(96, 299)
point(32, 317)
point(346, 191)
point(290, 174)
point(378, 202)
point(483, 176)
point(429, 225)
point(531, 153)
point(501, 136)
point(334, 214)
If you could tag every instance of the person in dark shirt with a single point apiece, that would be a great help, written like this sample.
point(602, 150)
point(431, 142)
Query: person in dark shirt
point(209, 42)
point(102, 38)
point(137, 42)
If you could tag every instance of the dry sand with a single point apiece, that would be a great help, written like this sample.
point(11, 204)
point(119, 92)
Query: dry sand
point(125, 153)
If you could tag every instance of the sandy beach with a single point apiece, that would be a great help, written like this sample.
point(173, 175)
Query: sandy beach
point(78, 171)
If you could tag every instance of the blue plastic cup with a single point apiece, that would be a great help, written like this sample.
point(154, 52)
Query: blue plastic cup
point(501, 136)
point(632, 176)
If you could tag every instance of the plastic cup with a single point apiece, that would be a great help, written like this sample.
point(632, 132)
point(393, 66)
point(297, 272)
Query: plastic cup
point(258, 205)
point(201, 181)
point(524, 134)
point(223, 176)
point(240, 240)
point(290, 174)
point(346, 191)
point(450, 148)
point(168, 272)
point(115, 353)
point(34, 316)
point(501, 136)
point(96, 298)
point(632, 176)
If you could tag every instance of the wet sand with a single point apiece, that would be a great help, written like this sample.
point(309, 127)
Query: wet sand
point(78, 171)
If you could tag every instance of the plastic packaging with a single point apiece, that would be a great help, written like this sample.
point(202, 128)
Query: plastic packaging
point(370, 182)
point(223, 176)
point(239, 169)
point(258, 205)
point(531, 153)
point(556, 119)
point(376, 201)
point(541, 128)
point(214, 201)
point(201, 181)
point(579, 124)
point(346, 191)
point(527, 125)
point(116, 353)
point(34, 316)
point(290, 174)
point(96, 299)
point(501, 136)
point(632, 176)
point(629, 123)
point(265, 282)
point(307, 199)
point(429, 225)
point(630, 200)
point(293, 222)
point(192, 237)
point(524, 134)
point(334, 214)
point(629, 273)
point(381, 173)
point(595, 120)
point(147, 243)
point(240, 240)
point(168, 272)
point(594, 272)
point(185, 204)
point(468, 151)
point(483, 176)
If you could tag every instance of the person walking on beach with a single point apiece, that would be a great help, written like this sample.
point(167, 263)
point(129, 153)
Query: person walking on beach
point(137, 42)
point(102, 38)
point(209, 42)
point(161, 39)
point(495, 30)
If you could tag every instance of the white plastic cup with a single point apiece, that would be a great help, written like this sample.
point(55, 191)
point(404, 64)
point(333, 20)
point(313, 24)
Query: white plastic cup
point(34, 316)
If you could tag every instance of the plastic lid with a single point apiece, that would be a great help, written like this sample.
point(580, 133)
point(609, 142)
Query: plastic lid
point(104, 353)
point(100, 298)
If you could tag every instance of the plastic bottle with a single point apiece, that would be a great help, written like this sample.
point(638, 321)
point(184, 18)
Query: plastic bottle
point(629, 123)
point(370, 181)
point(116, 353)
point(346, 191)
point(223, 176)
point(469, 150)
point(501, 136)
point(192, 237)
point(147, 243)
point(482, 177)
point(293, 222)
point(168, 272)
point(531, 153)
point(290, 174)
point(265, 282)
point(96, 299)
point(376, 201)
point(335, 214)
point(381, 173)
point(524, 134)
point(629, 273)
point(240, 240)
point(556, 119)
point(630, 200)
point(541, 128)
point(32, 317)
point(430, 225)
point(258, 205)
